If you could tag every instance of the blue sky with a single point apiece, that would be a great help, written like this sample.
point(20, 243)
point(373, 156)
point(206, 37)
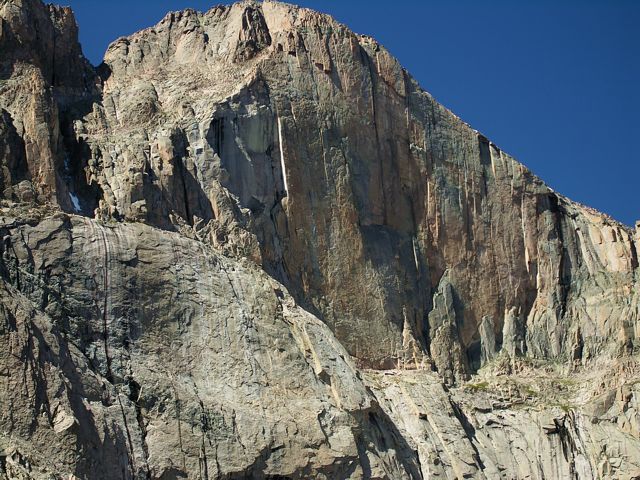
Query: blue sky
point(554, 83)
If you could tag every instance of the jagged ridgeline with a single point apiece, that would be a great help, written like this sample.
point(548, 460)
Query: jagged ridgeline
point(249, 245)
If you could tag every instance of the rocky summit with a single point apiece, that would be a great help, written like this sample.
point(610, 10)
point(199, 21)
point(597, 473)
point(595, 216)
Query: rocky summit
point(249, 245)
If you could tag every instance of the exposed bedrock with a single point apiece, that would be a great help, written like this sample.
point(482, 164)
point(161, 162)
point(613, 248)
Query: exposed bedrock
point(214, 243)
point(298, 143)
point(134, 352)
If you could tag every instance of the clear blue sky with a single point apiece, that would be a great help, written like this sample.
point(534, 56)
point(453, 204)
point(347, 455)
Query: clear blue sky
point(554, 83)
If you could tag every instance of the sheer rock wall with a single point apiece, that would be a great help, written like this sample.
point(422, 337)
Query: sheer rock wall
point(209, 237)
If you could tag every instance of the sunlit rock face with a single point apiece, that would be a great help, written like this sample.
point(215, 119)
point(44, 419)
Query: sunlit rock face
point(249, 245)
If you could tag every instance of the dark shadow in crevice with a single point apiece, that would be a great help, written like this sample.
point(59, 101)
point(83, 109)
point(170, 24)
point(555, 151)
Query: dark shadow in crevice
point(469, 430)
point(13, 161)
point(384, 436)
point(179, 193)
point(83, 196)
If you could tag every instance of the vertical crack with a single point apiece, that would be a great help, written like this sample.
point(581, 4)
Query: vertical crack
point(134, 397)
point(178, 414)
point(469, 430)
point(130, 456)
point(106, 284)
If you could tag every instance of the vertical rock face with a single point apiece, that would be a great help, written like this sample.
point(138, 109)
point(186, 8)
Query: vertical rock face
point(358, 190)
point(215, 244)
point(42, 70)
point(182, 362)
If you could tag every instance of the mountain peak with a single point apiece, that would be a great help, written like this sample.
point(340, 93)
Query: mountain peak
point(251, 246)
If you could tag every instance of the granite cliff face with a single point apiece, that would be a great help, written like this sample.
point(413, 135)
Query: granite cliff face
point(249, 245)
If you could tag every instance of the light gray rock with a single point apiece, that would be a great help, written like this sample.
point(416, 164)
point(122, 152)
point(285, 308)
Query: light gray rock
point(444, 321)
point(472, 432)
point(149, 355)
point(311, 148)
point(235, 248)
point(513, 335)
point(488, 343)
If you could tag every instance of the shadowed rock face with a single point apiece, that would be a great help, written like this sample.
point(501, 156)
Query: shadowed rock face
point(207, 236)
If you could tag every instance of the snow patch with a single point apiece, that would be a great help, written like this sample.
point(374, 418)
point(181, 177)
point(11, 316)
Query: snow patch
point(76, 202)
point(284, 172)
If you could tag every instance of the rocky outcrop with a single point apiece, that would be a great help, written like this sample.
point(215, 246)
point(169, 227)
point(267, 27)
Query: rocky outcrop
point(42, 71)
point(131, 344)
point(349, 184)
point(513, 428)
point(236, 248)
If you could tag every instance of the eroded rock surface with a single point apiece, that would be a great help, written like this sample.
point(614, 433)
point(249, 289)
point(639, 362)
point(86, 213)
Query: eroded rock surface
point(239, 247)
point(539, 425)
point(144, 346)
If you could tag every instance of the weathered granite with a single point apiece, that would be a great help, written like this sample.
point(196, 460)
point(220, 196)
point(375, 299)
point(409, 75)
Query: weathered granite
point(357, 189)
point(209, 237)
point(132, 352)
point(532, 426)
